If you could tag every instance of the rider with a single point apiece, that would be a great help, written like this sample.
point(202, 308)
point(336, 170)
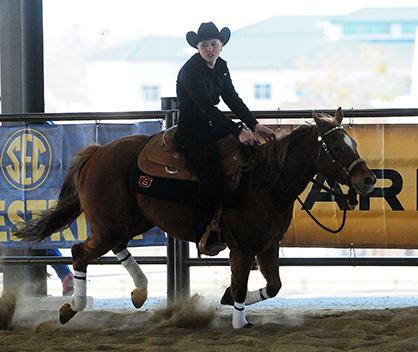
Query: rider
point(200, 82)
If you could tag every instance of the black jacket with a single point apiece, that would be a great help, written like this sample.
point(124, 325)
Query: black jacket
point(198, 91)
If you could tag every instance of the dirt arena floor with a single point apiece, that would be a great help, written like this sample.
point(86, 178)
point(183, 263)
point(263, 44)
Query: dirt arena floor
point(318, 309)
point(197, 325)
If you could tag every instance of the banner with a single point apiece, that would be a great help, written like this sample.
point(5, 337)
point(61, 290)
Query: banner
point(388, 217)
point(33, 162)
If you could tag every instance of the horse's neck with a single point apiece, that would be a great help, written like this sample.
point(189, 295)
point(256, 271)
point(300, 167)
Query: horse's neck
point(300, 164)
point(298, 167)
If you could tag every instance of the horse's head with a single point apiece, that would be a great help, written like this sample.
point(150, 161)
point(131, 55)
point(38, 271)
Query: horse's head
point(338, 157)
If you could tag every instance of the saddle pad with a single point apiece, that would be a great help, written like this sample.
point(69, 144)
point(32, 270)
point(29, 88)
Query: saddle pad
point(161, 158)
point(177, 191)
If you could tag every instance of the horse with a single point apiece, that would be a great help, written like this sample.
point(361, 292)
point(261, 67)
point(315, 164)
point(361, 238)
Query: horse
point(255, 217)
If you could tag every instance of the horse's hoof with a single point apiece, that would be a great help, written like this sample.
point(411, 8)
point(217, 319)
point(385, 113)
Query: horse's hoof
point(139, 297)
point(227, 298)
point(66, 313)
point(248, 326)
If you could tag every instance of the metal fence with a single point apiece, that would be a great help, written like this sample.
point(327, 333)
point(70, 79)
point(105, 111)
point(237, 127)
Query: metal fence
point(178, 260)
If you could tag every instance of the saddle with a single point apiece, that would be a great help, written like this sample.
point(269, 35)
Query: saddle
point(160, 157)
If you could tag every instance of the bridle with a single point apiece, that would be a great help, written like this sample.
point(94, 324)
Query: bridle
point(350, 197)
point(324, 146)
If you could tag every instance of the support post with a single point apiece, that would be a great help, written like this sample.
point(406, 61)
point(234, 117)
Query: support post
point(32, 56)
point(22, 88)
point(178, 272)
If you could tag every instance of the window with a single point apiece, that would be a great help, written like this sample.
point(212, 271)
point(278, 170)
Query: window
point(262, 91)
point(151, 93)
point(366, 28)
point(409, 28)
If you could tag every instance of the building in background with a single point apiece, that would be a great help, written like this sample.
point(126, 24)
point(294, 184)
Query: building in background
point(360, 60)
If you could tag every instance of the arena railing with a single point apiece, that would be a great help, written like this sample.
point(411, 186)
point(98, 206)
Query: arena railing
point(178, 260)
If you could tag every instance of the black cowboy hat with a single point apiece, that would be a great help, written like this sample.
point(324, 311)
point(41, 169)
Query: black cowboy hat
point(208, 31)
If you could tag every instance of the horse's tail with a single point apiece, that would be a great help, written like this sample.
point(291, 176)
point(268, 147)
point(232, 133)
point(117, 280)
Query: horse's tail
point(65, 211)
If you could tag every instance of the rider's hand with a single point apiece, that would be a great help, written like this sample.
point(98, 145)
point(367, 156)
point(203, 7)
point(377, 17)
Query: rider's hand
point(264, 132)
point(246, 137)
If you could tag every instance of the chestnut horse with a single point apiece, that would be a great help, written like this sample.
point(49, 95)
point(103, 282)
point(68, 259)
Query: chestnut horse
point(254, 219)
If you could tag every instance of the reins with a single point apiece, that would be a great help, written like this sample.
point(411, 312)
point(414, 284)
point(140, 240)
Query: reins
point(317, 221)
point(349, 198)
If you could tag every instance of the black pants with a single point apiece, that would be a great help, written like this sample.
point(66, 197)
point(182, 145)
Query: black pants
point(203, 157)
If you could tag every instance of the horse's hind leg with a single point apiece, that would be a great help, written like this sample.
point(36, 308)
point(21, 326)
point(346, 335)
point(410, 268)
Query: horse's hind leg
point(140, 294)
point(268, 261)
point(82, 253)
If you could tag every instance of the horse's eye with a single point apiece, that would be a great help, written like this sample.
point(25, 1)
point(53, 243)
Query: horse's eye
point(337, 149)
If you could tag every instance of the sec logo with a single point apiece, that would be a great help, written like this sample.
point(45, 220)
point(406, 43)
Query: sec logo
point(26, 159)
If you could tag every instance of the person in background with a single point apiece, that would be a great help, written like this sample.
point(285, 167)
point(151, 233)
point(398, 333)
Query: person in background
point(201, 82)
point(64, 273)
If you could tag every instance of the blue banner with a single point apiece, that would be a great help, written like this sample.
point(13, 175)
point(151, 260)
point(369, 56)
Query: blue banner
point(33, 162)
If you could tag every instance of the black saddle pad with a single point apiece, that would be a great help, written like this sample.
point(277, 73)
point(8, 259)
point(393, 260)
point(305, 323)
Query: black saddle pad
point(177, 191)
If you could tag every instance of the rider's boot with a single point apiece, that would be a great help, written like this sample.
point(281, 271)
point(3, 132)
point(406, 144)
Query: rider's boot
point(208, 236)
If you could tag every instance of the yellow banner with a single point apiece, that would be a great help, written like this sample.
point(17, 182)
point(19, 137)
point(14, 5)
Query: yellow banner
point(388, 217)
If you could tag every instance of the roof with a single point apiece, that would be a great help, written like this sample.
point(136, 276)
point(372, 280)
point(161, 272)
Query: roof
point(274, 42)
point(270, 43)
point(149, 48)
point(277, 42)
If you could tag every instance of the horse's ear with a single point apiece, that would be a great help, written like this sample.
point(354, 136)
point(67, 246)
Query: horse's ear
point(317, 119)
point(339, 115)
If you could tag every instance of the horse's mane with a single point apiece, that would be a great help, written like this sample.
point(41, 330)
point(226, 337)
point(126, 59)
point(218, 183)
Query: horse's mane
point(327, 118)
point(270, 157)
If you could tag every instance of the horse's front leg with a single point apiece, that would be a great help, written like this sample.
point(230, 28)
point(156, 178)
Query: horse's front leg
point(140, 294)
point(241, 263)
point(268, 261)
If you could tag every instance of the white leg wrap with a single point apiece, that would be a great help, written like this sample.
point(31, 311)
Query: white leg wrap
point(130, 264)
point(238, 316)
point(256, 296)
point(80, 291)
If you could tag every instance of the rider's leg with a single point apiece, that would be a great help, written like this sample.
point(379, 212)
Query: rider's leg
point(203, 158)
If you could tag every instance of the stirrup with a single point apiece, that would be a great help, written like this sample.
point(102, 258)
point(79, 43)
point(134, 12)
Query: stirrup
point(214, 226)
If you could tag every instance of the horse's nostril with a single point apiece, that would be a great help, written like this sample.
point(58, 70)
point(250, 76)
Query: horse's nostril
point(369, 181)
